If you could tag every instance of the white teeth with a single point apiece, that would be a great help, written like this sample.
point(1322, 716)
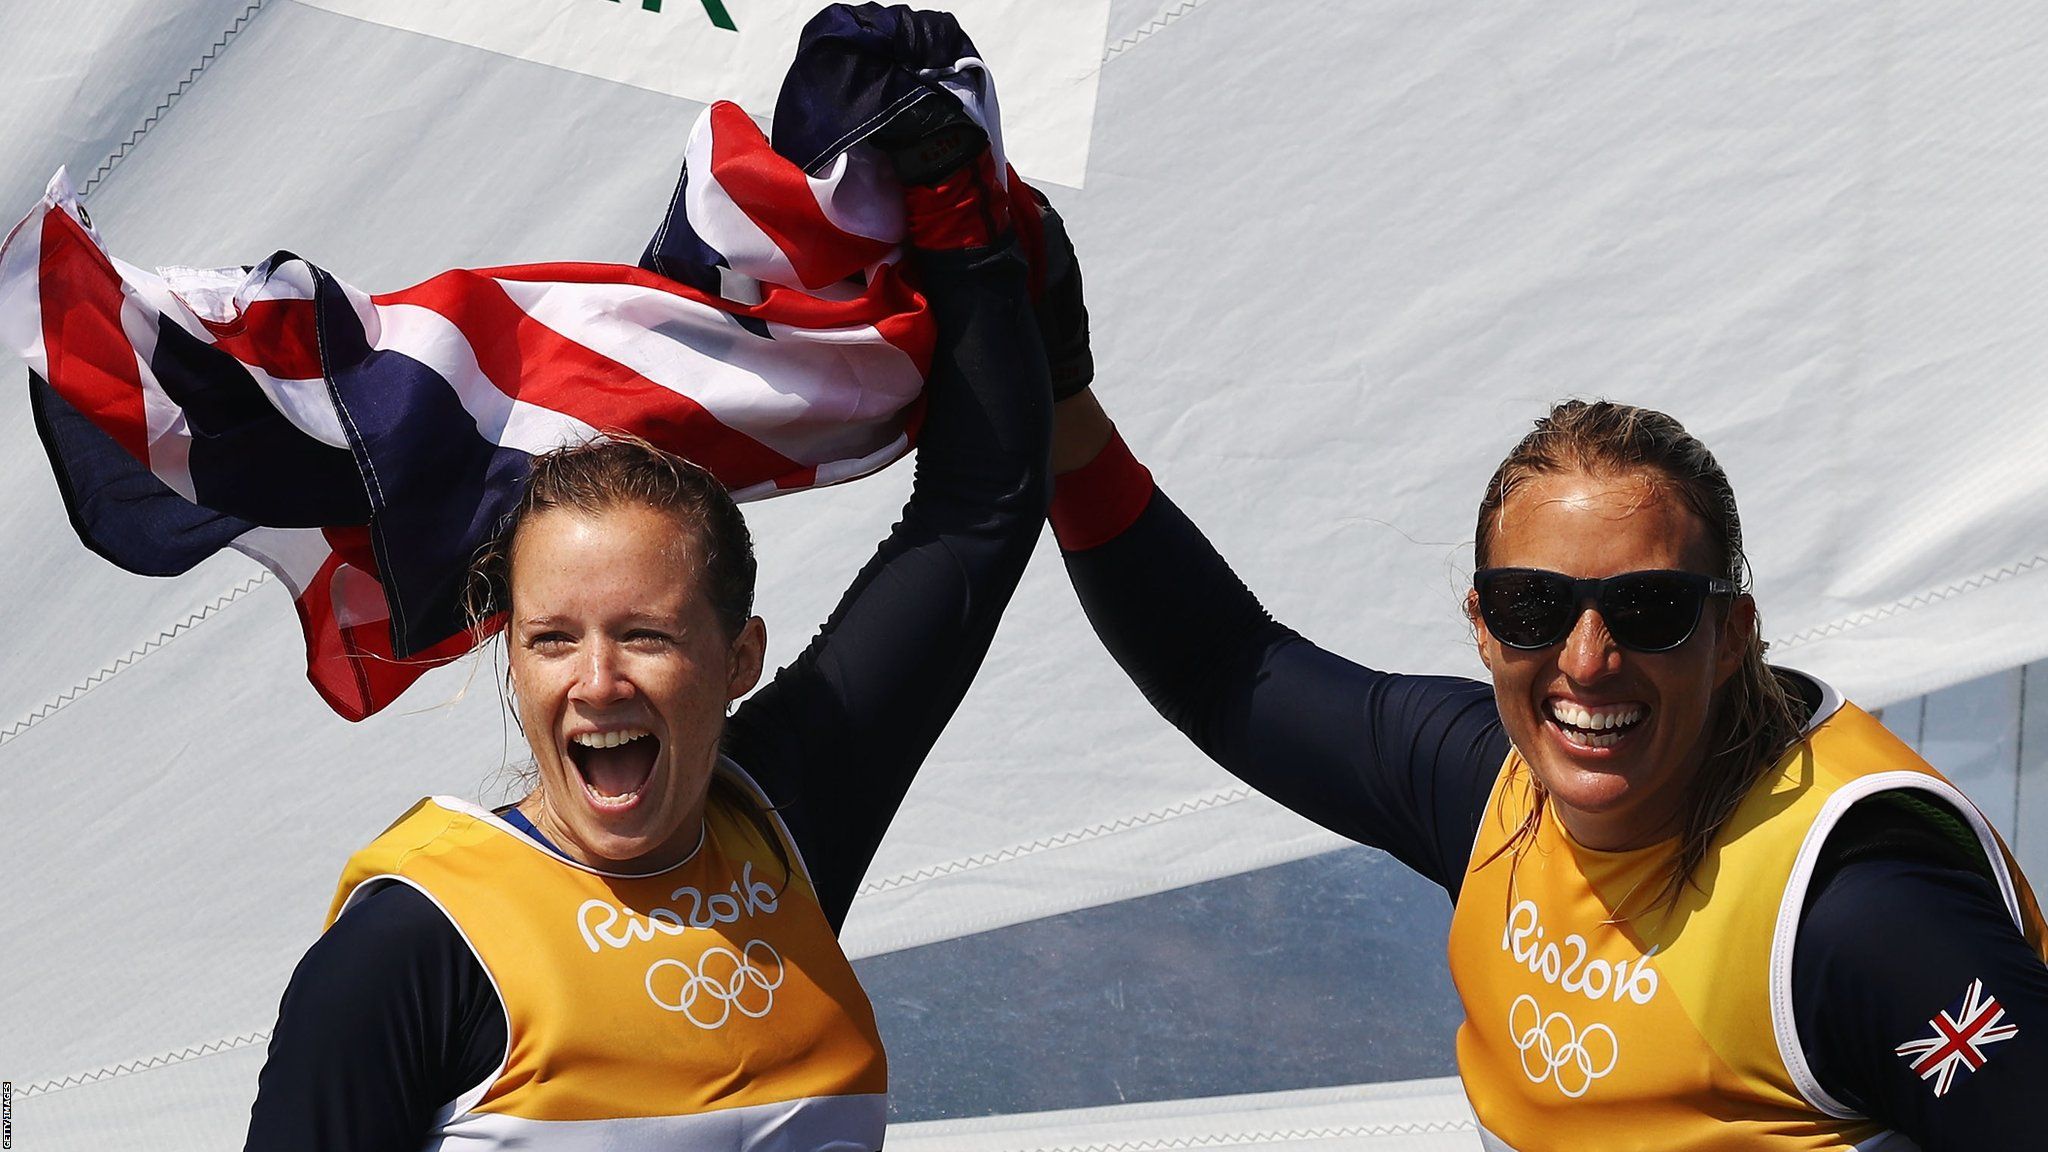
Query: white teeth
point(604, 801)
point(1596, 719)
point(609, 739)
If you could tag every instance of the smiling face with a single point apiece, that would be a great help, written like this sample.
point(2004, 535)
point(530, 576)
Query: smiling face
point(1614, 736)
point(622, 673)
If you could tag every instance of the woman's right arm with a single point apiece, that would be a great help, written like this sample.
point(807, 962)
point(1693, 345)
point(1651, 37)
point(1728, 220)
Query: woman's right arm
point(388, 1018)
point(1404, 763)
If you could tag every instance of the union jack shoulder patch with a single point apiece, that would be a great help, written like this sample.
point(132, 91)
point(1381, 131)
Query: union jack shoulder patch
point(1961, 1032)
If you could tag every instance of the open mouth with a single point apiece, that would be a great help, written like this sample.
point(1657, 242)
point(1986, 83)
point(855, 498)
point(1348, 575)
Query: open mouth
point(615, 766)
point(1602, 727)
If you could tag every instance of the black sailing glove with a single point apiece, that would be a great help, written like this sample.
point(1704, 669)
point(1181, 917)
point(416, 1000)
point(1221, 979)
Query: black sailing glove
point(1056, 298)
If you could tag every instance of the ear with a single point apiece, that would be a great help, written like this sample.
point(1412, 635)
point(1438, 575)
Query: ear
point(1737, 628)
point(1480, 635)
point(743, 660)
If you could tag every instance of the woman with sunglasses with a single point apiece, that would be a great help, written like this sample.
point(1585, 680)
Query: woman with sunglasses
point(1699, 902)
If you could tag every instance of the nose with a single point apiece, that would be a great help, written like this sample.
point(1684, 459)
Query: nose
point(602, 679)
point(1590, 653)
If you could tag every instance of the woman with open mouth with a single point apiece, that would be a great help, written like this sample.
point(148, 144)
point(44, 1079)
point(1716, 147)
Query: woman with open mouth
point(642, 952)
point(1700, 902)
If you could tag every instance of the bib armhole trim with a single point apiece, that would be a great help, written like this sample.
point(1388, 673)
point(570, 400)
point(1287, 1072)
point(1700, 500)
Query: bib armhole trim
point(1494, 800)
point(1831, 701)
point(733, 771)
point(469, 1099)
point(1784, 1025)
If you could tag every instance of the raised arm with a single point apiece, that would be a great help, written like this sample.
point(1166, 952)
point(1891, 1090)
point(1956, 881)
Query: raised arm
point(838, 735)
point(1400, 762)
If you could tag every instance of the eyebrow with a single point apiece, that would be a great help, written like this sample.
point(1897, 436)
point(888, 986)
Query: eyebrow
point(635, 617)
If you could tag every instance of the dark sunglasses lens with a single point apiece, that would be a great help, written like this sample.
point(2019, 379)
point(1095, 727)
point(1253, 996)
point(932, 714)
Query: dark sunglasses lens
point(1526, 609)
point(1652, 611)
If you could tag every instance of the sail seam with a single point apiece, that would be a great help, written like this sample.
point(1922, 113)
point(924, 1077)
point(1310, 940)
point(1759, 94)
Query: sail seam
point(1910, 603)
point(72, 694)
point(1151, 28)
point(163, 106)
point(145, 1064)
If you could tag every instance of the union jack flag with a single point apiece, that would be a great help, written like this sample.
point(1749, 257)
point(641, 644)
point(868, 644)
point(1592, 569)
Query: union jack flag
point(363, 445)
point(1961, 1034)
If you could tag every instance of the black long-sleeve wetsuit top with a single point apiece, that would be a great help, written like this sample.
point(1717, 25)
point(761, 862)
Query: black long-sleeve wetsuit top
point(390, 1016)
point(1900, 917)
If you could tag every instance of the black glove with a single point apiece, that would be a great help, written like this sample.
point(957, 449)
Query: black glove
point(1056, 299)
point(930, 140)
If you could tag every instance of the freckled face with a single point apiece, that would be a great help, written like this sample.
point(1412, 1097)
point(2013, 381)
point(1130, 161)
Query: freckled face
point(622, 673)
point(1615, 736)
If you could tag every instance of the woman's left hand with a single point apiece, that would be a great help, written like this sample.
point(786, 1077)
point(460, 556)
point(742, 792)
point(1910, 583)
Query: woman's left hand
point(1056, 300)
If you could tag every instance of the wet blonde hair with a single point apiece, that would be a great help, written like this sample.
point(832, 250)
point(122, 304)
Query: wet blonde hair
point(1755, 717)
point(627, 472)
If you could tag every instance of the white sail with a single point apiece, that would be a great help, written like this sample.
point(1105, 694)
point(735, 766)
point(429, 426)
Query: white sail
point(1338, 255)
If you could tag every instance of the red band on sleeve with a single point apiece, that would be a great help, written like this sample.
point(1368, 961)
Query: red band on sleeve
point(968, 209)
point(1095, 503)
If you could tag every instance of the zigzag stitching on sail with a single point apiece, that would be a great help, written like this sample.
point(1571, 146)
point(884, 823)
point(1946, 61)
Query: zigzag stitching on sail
point(1093, 831)
point(147, 1064)
point(1919, 600)
point(191, 78)
point(1276, 1136)
point(1151, 28)
point(71, 694)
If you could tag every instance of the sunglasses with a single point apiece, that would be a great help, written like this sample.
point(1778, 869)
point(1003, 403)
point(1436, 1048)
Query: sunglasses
point(1650, 611)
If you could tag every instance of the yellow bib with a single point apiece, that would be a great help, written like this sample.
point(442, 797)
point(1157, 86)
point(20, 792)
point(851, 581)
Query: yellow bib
point(705, 1006)
point(1669, 1030)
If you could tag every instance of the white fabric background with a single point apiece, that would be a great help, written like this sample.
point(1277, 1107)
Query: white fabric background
point(1338, 254)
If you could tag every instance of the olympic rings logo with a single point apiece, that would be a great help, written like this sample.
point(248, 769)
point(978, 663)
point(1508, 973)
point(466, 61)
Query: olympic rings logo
point(1553, 1048)
point(723, 982)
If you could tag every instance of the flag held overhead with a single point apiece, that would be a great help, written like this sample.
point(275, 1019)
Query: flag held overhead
point(363, 446)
